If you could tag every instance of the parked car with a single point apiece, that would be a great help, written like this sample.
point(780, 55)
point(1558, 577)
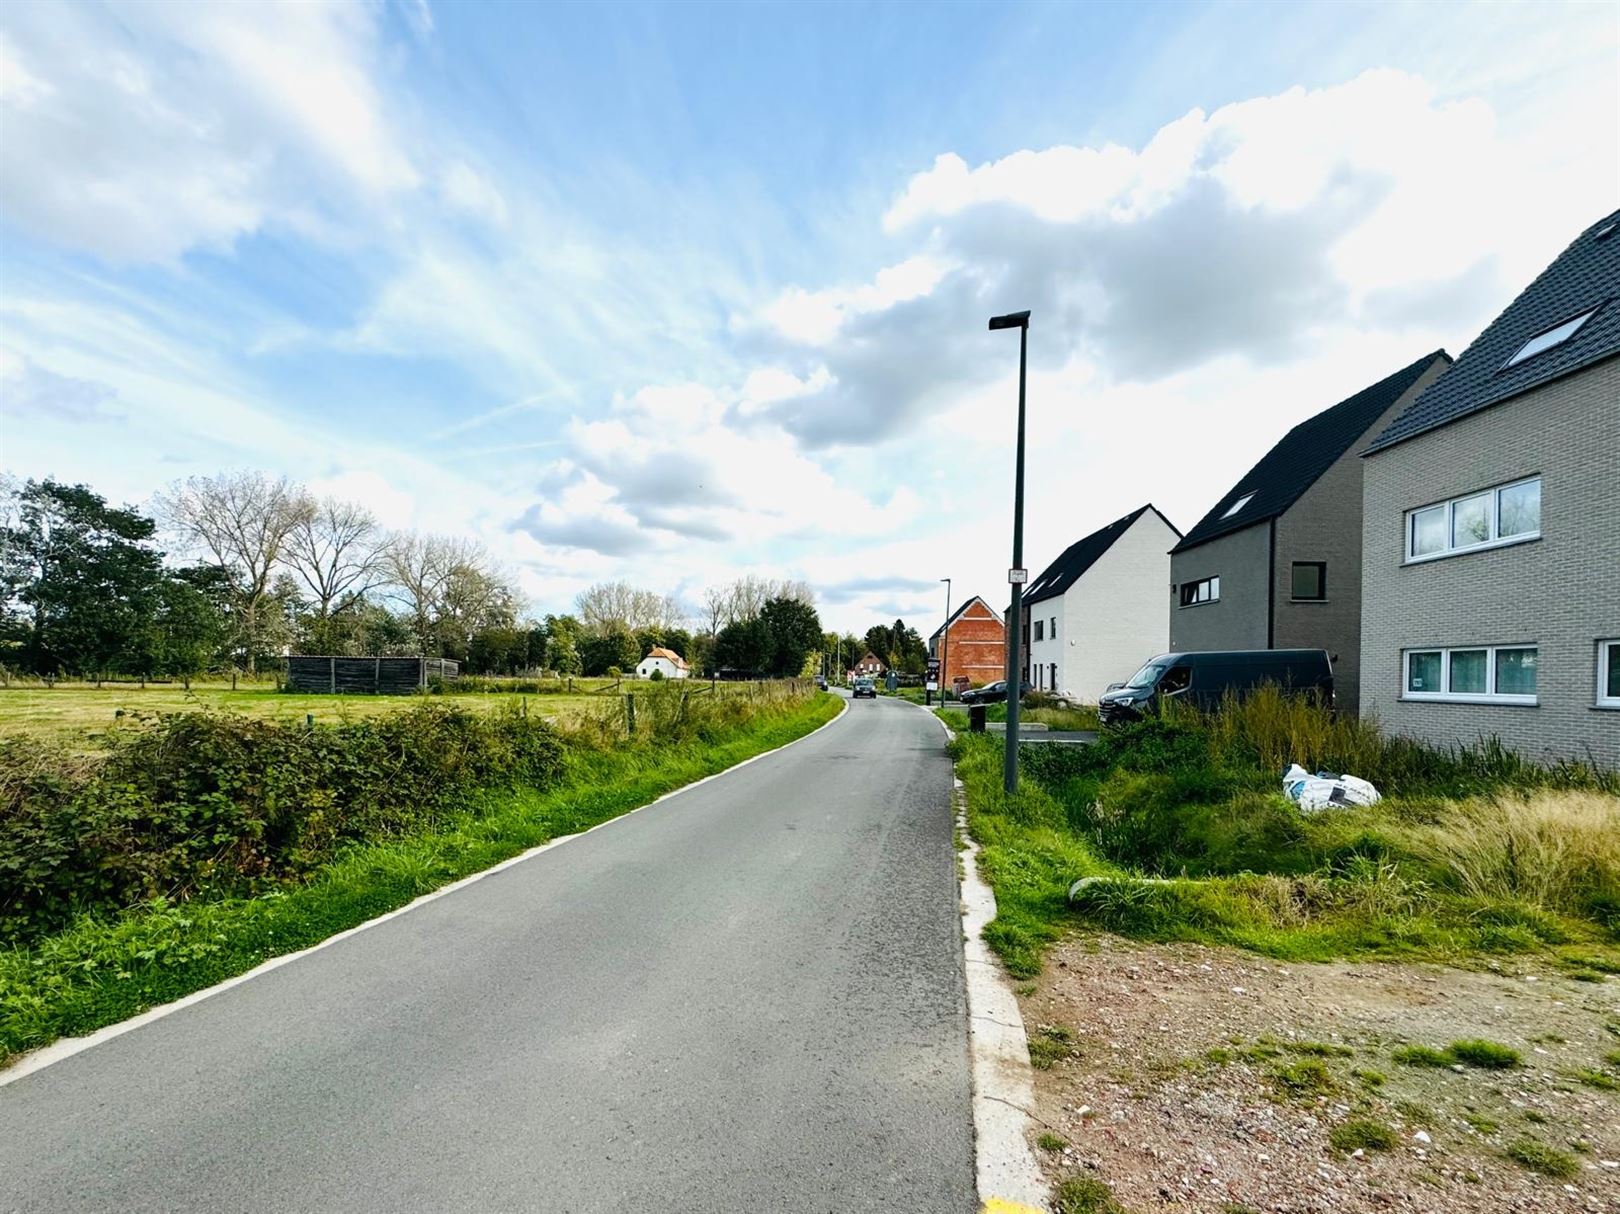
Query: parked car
point(821, 682)
point(990, 693)
point(864, 687)
point(1206, 678)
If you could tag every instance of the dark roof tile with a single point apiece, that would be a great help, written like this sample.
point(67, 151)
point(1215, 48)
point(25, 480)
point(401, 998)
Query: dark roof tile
point(1304, 454)
point(1585, 276)
point(1082, 555)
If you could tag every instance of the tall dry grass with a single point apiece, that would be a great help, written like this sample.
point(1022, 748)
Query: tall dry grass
point(1554, 848)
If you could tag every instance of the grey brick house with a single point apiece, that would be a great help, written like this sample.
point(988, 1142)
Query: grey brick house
point(1491, 528)
point(1277, 563)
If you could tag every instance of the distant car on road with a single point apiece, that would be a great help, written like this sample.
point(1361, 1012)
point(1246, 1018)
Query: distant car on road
point(821, 682)
point(990, 693)
point(864, 687)
point(1207, 677)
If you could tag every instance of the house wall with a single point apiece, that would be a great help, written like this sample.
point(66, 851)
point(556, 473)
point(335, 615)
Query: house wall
point(1325, 525)
point(1561, 592)
point(1114, 617)
point(670, 670)
point(1238, 619)
point(975, 646)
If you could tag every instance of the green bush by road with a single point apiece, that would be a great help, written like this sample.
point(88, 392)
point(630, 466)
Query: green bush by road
point(135, 878)
point(1472, 850)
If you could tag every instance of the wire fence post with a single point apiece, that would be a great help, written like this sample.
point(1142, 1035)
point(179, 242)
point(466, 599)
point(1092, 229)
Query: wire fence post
point(630, 713)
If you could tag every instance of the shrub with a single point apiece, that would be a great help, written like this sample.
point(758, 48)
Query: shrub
point(216, 804)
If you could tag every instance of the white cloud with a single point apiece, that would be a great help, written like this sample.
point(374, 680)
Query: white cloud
point(144, 130)
point(469, 191)
point(815, 317)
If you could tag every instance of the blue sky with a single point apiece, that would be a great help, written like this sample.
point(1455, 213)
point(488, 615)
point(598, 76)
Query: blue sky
point(672, 292)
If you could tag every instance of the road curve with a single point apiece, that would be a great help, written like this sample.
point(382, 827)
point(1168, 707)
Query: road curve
point(746, 998)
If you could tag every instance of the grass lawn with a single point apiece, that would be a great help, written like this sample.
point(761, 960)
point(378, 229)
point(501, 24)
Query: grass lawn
point(82, 710)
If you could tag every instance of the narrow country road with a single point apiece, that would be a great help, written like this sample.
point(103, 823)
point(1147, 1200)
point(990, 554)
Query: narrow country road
point(746, 998)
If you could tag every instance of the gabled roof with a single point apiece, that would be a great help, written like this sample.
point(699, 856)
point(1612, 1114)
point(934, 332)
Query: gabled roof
point(1083, 554)
point(957, 614)
point(658, 651)
point(1303, 455)
point(1585, 276)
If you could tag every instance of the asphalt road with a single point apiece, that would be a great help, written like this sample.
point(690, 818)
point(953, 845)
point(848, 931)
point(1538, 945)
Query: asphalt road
point(746, 998)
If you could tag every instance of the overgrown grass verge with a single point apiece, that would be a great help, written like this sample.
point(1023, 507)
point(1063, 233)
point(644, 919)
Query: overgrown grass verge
point(1473, 851)
point(106, 966)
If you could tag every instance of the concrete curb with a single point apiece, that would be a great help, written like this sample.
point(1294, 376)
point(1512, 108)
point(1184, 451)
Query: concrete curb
point(66, 1047)
point(1008, 1177)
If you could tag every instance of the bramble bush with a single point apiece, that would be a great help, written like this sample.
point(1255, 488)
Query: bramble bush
point(196, 804)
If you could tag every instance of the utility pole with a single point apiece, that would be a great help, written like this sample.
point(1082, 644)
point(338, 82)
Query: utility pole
point(945, 642)
point(1017, 575)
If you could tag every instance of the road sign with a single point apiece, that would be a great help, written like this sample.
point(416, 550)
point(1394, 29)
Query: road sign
point(1017, 577)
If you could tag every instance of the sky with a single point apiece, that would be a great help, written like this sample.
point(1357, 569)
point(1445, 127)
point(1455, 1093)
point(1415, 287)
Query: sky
point(676, 292)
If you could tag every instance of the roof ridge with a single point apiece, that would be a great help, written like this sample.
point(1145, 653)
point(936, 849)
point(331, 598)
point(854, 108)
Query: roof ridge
point(1299, 458)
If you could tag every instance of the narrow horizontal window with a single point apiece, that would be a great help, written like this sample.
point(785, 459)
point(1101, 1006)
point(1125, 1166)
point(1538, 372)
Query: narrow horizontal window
point(1206, 590)
point(1503, 674)
point(1505, 514)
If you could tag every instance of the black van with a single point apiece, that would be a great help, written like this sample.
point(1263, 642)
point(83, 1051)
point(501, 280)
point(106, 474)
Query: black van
point(1205, 678)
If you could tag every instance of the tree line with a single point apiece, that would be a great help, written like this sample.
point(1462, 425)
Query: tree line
point(232, 571)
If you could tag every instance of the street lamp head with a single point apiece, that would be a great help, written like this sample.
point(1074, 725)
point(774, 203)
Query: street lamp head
point(1013, 320)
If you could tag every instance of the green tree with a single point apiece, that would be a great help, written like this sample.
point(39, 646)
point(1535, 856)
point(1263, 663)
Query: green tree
point(189, 629)
point(562, 655)
point(680, 641)
point(795, 633)
point(615, 647)
point(745, 646)
point(83, 578)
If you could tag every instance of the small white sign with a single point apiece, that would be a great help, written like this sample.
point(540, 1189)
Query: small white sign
point(933, 685)
point(1017, 577)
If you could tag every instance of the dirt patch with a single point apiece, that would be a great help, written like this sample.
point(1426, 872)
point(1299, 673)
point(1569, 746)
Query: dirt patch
point(1200, 1079)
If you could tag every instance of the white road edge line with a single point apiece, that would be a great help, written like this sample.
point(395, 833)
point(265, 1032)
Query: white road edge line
point(1005, 1169)
point(66, 1047)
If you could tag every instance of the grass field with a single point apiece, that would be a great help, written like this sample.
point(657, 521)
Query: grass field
point(82, 710)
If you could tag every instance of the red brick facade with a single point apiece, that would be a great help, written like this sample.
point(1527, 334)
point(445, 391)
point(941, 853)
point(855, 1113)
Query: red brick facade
point(975, 645)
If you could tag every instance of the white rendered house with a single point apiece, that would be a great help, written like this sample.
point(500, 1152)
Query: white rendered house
point(666, 661)
point(1101, 609)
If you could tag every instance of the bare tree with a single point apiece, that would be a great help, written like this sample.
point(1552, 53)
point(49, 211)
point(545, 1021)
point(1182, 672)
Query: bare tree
point(240, 521)
point(335, 549)
point(450, 587)
point(607, 605)
point(418, 567)
point(717, 607)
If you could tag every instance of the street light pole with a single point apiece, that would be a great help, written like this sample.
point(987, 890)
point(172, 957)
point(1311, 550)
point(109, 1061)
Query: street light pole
point(1017, 574)
point(945, 642)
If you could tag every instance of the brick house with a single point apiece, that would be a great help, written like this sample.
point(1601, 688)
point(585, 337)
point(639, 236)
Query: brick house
point(1097, 612)
point(1491, 528)
point(1276, 563)
point(868, 666)
point(971, 644)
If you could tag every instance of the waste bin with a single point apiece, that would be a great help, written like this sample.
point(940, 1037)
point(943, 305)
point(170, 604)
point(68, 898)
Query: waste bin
point(976, 718)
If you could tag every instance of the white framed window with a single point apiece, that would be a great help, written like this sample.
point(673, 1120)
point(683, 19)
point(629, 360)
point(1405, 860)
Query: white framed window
point(1491, 518)
point(1608, 674)
point(1206, 590)
point(1555, 336)
point(1476, 674)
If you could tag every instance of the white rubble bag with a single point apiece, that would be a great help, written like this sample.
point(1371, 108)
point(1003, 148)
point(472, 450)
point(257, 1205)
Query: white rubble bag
point(1326, 789)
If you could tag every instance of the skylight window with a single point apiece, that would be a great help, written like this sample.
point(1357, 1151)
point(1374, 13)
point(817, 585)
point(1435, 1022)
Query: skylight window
point(1546, 341)
point(1603, 232)
point(1238, 505)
